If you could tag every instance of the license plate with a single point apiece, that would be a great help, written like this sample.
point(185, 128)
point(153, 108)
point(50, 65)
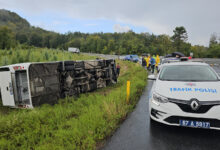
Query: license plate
point(194, 124)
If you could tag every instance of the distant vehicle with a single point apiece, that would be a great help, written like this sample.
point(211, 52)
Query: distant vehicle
point(186, 94)
point(133, 58)
point(144, 54)
point(174, 54)
point(73, 50)
point(121, 57)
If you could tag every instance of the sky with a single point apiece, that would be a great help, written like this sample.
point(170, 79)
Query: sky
point(201, 18)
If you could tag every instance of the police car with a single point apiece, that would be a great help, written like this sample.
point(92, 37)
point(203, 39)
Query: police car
point(186, 94)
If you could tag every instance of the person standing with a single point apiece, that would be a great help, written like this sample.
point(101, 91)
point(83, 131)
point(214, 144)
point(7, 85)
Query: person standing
point(118, 69)
point(148, 62)
point(154, 57)
point(157, 62)
point(143, 61)
point(152, 62)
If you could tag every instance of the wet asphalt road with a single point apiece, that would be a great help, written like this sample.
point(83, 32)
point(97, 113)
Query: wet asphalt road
point(136, 133)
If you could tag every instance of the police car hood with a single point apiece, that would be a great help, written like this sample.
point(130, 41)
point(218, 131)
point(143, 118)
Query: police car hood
point(203, 91)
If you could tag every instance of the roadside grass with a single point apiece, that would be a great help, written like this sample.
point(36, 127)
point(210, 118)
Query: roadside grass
point(73, 123)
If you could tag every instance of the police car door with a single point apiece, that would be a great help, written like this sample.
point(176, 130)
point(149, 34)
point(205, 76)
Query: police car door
point(6, 88)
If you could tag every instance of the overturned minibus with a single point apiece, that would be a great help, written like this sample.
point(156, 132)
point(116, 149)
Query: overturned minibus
point(28, 85)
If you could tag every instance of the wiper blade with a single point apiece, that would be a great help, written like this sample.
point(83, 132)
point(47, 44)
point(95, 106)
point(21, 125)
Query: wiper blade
point(167, 80)
point(189, 80)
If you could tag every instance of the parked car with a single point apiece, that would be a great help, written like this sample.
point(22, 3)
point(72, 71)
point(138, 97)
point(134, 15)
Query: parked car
point(122, 57)
point(133, 58)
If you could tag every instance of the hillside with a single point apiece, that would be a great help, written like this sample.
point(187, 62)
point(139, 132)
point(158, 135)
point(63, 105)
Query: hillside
point(13, 20)
point(22, 31)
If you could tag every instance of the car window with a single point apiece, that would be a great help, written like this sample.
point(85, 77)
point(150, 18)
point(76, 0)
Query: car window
point(187, 73)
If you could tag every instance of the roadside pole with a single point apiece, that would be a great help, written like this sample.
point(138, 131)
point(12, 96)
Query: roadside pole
point(128, 91)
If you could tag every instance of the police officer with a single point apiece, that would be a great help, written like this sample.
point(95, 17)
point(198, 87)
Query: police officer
point(157, 62)
point(148, 62)
point(152, 62)
point(143, 61)
point(118, 69)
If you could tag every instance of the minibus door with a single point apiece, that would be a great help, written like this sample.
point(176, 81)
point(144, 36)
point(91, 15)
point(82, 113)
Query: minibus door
point(6, 88)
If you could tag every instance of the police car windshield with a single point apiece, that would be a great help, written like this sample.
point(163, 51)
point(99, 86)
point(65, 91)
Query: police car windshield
point(187, 73)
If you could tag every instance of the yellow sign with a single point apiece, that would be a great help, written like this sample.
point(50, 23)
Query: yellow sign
point(128, 91)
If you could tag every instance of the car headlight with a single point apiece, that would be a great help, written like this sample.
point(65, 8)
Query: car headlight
point(159, 98)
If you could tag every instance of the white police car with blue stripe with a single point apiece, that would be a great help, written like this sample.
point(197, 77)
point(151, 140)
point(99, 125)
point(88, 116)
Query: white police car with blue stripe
point(186, 94)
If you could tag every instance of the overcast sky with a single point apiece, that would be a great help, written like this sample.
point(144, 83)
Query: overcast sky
point(201, 18)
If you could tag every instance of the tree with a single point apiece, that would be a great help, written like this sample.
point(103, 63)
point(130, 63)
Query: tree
point(164, 45)
point(36, 40)
point(22, 38)
point(214, 46)
point(7, 38)
point(214, 51)
point(180, 36)
point(47, 41)
point(74, 43)
point(213, 40)
point(199, 51)
point(111, 46)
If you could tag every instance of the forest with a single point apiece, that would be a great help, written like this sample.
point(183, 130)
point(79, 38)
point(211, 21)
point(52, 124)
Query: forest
point(16, 32)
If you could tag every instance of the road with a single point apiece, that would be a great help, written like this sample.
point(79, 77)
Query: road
point(136, 133)
point(102, 55)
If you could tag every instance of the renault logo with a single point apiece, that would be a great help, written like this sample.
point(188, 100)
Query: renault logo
point(190, 84)
point(194, 104)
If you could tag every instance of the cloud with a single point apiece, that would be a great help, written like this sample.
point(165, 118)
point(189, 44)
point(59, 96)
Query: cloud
point(120, 29)
point(91, 24)
point(57, 22)
point(199, 17)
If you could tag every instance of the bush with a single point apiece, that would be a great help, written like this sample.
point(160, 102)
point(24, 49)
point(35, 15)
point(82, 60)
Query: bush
point(54, 58)
point(5, 61)
point(46, 56)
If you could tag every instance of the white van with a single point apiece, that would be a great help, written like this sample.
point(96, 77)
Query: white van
point(73, 50)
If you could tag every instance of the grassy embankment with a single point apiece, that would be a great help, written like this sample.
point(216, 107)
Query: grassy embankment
point(38, 55)
point(81, 123)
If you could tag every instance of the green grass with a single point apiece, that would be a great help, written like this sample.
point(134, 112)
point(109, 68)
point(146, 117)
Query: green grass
point(81, 123)
point(38, 55)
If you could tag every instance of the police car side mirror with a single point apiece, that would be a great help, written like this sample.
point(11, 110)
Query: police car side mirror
point(151, 77)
